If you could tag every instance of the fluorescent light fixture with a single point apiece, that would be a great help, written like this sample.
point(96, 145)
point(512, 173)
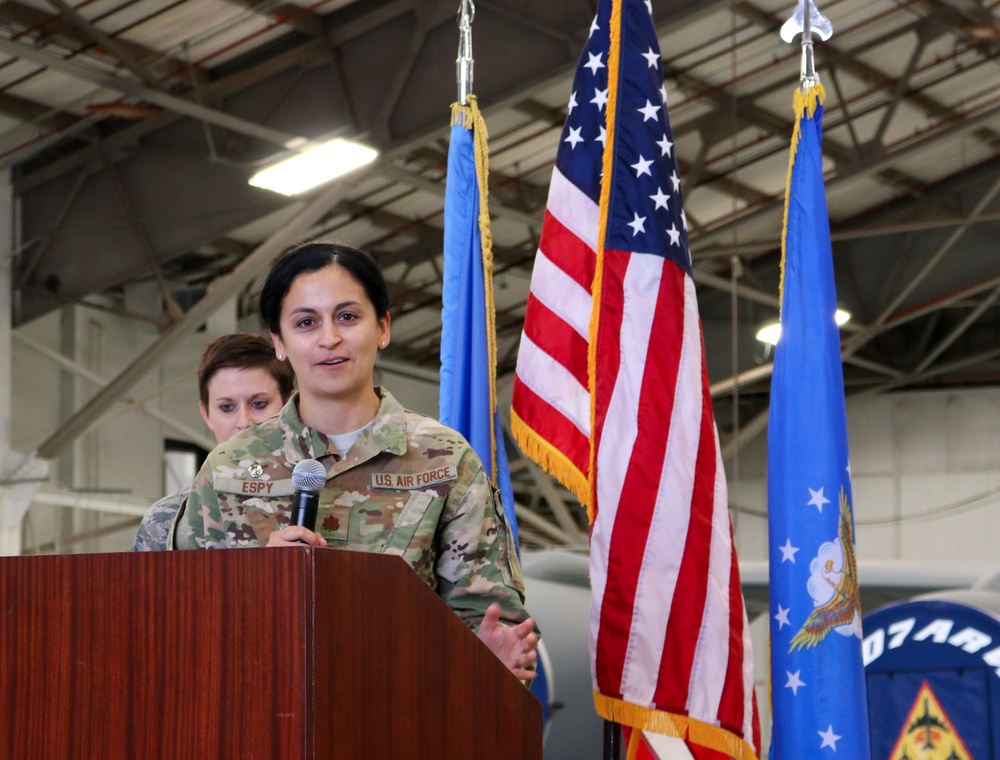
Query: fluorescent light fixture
point(314, 166)
point(771, 332)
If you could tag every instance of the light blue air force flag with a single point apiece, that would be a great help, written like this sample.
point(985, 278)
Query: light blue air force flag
point(468, 371)
point(819, 705)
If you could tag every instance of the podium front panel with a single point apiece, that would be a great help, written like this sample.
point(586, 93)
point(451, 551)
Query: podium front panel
point(248, 653)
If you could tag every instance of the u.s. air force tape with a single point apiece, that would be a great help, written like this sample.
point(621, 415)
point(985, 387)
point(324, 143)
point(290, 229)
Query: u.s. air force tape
point(407, 481)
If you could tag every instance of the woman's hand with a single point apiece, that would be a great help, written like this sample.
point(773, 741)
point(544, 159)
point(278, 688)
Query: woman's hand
point(295, 535)
point(513, 645)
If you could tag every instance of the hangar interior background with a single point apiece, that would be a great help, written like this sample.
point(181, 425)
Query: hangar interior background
point(128, 129)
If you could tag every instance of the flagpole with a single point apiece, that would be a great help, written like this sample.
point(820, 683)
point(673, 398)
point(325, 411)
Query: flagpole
point(612, 729)
point(465, 64)
point(612, 740)
point(807, 71)
point(805, 20)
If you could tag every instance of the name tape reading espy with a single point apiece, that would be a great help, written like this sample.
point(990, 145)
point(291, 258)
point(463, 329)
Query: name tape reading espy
point(399, 481)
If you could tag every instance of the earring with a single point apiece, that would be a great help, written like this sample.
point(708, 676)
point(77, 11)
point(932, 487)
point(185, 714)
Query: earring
point(281, 357)
point(382, 343)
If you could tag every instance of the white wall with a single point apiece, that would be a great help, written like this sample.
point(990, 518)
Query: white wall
point(121, 457)
point(926, 478)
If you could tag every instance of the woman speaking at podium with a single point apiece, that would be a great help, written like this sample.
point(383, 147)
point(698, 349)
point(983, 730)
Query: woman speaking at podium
point(397, 482)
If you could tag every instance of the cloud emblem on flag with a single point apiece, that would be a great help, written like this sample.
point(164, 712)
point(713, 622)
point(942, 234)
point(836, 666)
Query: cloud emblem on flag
point(833, 586)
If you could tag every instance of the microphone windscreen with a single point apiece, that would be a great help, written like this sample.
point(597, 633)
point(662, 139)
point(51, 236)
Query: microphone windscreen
point(309, 475)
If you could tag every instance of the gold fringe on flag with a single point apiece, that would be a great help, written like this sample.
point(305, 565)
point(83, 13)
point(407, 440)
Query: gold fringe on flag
point(633, 745)
point(803, 103)
point(469, 117)
point(549, 458)
point(679, 726)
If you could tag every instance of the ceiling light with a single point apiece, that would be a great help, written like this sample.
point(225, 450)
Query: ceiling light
point(771, 331)
point(982, 32)
point(314, 166)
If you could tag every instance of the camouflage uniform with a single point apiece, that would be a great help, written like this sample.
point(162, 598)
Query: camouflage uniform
point(155, 526)
point(408, 486)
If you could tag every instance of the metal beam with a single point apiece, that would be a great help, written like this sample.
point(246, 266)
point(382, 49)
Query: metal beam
point(92, 501)
point(764, 371)
point(958, 331)
point(526, 516)
point(45, 117)
point(871, 366)
point(145, 244)
point(546, 485)
point(900, 88)
point(879, 324)
point(221, 291)
point(165, 100)
point(747, 433)
point(743, 291)
point(308, 55)
point(43, 244)
point(941, 369)
point(296, 17)
point(8, 539)
point(103, 40)
point(393, 172)
point(751, 247)
point(919, 144)
point(201, 439)
point(89, 535)
point(30, 19)
point(743, 378)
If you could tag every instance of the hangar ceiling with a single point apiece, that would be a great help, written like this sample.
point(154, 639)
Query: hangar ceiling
point(130, 128)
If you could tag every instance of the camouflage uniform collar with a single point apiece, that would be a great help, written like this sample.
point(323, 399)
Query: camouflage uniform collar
point(387, 432)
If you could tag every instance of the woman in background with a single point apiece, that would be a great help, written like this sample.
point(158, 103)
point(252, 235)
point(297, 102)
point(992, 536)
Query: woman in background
point(397, 482)
point(240, 382)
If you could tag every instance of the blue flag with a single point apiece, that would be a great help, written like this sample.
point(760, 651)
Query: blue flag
point(819, 705)
point(468, 335)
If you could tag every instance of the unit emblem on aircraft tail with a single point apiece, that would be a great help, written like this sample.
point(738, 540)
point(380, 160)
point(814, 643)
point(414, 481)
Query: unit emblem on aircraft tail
point(927, 733)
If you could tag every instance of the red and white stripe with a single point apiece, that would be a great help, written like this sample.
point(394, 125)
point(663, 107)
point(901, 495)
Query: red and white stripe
point(668, 628)
point(551, 392)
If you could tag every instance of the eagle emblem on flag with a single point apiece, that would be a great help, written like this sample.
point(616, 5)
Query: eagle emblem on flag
point(833, 586)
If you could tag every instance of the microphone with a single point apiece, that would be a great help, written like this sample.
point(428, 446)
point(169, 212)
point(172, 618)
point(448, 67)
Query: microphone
point(308, 478)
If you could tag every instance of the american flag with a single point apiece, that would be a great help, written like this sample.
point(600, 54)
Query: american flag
point(611, 395)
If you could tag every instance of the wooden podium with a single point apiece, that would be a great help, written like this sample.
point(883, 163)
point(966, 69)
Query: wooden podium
point(248, 653)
